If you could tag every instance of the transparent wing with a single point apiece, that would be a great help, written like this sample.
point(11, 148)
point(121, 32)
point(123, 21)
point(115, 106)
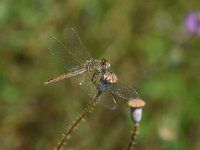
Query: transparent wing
point(75, 45)
point(86, 84)
point(61, 55)
point(107, 99)
point(71, 52)
point(122, 90)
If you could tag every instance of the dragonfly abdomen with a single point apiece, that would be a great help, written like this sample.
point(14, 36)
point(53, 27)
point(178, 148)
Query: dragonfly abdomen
point(67, 75)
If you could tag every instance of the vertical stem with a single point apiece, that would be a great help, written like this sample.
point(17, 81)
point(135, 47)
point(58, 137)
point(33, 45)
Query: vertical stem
point(133, 136)
point(83, 114)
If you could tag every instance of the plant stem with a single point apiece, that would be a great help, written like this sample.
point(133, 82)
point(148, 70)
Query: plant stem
point(89, 108)
point(133, 136)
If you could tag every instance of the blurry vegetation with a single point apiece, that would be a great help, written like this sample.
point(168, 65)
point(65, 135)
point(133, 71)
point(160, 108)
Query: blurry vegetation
point(147, 47)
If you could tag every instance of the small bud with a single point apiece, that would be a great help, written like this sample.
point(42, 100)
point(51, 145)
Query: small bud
point(83, 119)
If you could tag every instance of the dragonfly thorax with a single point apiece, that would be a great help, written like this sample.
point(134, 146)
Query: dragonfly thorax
point(99, 65)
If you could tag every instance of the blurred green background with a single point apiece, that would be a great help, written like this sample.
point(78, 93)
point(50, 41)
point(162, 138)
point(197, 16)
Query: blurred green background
point(147, 47)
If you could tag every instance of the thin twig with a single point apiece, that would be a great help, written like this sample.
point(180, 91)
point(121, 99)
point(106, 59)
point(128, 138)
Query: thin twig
point(89, 108)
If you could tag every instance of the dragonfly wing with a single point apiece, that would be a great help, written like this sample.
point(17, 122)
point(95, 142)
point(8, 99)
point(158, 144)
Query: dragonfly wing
point(86, 84)
point(75, 45)
point(107, 99)
point(69, 51)
point(62, 55)
point(122, 90)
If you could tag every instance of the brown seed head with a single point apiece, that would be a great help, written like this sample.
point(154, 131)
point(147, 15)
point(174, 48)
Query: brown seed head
point(136, 103)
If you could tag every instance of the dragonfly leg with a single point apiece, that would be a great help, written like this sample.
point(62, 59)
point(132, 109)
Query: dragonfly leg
point(94, 78)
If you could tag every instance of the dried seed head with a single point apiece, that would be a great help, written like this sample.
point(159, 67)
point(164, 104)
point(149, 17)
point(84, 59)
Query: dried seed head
point(136, 103)
point(136, 109)
point(110, 77)
point(136, 114)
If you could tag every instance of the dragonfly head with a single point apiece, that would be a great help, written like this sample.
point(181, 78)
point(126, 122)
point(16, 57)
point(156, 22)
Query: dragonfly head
point(104, 64)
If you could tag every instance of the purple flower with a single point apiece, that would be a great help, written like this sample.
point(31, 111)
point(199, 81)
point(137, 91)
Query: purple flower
point(192, 23)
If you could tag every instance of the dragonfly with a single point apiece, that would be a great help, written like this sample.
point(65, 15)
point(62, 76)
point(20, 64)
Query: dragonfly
point(95, 76)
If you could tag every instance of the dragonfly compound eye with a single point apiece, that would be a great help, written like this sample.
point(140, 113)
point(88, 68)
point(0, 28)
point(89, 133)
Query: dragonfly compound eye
point(104, 63)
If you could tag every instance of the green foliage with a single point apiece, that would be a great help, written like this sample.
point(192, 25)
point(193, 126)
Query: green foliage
point(146, 44)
